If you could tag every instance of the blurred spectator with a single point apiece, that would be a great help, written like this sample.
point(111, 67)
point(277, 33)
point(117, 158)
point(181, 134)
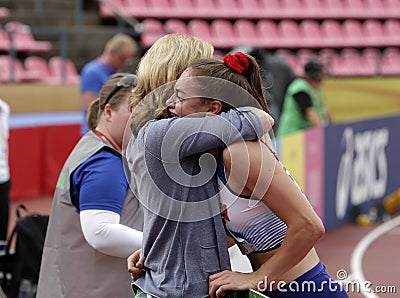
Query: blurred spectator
point(304, 106)
point(4, 173)
point(118, 53)
point(276, 76)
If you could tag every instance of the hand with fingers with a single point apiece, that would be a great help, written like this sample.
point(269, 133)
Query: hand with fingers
point(135, 264)
point(227, 280)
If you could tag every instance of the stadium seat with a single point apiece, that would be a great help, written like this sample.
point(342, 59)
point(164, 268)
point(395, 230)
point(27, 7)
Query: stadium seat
point(371, 58)
point(292, 9)
point(109, 8)
point(245, 32)
point(353, 33)
point(326, 56)
point(302, 57)
point(36, 68)
point(375, 8)
point(331, 32)
point(57, 66)
point(271, 9)
point(137, 8)
point(289, 33)
point(390, 62)
point(354, 9)
point(227, 8)
point(4, 13)
point(250, 9)
point(313, 9)
point(152, 30)
point(222, 33)
point(11, 71)
point(4, 41)
point(200, 29)
point(23, 38)
point(175, 26)
point(268, 34)
point(333, 9)
point(287, 55)
point(205, 9)
point(183, 8)
point(392, 8)
point(160, 9)
point(351, 63)
point(391, 30)
point(311, 34)
point(373, 33)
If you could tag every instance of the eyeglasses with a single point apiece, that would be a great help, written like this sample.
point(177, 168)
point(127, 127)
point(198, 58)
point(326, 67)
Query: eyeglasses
point(126, 81)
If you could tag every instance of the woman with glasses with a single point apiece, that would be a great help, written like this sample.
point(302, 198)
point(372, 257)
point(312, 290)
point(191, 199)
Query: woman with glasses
point(95, 221)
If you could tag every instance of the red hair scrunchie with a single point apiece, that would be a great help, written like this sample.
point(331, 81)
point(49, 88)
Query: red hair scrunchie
point(237, 61)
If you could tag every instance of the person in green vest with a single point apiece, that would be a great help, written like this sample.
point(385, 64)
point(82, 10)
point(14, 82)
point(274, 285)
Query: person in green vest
point(303, 106)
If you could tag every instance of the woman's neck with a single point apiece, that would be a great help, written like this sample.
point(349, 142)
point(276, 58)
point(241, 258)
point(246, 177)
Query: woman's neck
point(105, 136)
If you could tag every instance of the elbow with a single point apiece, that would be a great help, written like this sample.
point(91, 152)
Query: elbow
point(316, 229)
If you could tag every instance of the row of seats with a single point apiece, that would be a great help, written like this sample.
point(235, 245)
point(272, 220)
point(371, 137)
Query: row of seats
point(19, 36)
point(37, 69)
point(349, 62)
point(251, 9)
point(4, 13)
point(283, 34)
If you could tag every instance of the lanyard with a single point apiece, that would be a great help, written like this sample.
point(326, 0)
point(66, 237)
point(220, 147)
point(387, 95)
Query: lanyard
point(104, 138)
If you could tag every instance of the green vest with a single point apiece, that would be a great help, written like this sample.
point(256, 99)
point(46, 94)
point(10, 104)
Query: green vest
point(292, 119)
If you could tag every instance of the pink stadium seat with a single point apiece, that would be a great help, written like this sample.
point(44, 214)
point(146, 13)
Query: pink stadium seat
point(303, 56)
point(391, 30)
point(313, 9)
point(334, 8)
point(287, 55)
point(16, 75)
point(311, 34)
point(355, 8)
point(326, 56)
point(371, 58)
point(152, 30)
point(353, 33)
point(24, 40)
point(375, 8)
point(250, 9)
point(160, 9)
point(223, 35)
point(289, 32)
point(331, 32)
point(57, 65)
point(36, 68)
point(268, 34)
point(109, 8)
point(201, 29)
point(351, 63)
point(4, 40)
point(292, 9)
point(4, 13)
point(137, 8)
point(271, 8)
point(205, 9)
point(227, 8)
point(183, 8)
point(392, 8)
point(245, 32)
point(175, 26)
point(390, 62)
point(373, 32)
